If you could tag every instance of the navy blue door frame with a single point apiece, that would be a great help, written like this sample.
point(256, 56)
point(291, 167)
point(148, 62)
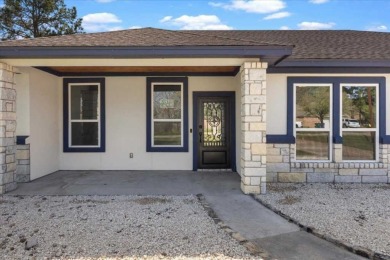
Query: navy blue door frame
point(232, 96)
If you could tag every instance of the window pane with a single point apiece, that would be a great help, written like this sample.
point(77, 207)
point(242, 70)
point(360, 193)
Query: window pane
point(359, 107)
point(358, 145)
point(167, 102)
point(84, 102)
point(312, 146)
point(312, 107)
point(85, 133)
point(167, 133)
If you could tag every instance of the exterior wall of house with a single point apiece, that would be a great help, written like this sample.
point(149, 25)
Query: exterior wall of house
point(281, 163)
point(42, 129)
point(126, 128)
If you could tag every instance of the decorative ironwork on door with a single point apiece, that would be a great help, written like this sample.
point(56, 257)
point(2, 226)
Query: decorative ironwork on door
point(213, 124)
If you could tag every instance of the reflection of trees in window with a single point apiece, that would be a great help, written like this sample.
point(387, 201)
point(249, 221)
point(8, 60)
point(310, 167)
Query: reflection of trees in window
point(314, 102)
point(359, 103)
point(167, 103)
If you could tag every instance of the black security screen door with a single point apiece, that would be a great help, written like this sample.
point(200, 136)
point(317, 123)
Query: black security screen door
point(214, 133)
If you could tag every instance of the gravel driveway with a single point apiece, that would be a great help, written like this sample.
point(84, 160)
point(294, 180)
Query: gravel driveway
point(112, 227)
point(356, 214)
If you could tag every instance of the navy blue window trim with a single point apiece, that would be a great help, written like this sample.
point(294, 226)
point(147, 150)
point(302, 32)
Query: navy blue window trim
point(149, 82)
point(102, 147)
point(21, 139)
point(335, 82)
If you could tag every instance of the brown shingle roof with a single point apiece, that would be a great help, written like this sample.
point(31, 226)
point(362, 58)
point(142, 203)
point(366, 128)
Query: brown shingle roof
point(345, 45)
point(146, 37)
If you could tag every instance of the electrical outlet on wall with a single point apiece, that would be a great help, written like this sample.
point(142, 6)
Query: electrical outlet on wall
point(131, 155)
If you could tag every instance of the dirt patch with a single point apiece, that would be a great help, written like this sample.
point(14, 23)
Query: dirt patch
point(289, 200)
point(148, 201)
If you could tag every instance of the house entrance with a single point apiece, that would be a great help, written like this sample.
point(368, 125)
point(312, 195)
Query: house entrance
point(213, 131)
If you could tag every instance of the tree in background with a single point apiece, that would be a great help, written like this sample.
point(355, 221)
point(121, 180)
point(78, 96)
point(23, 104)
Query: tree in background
point(37, 18)
point(314, 102)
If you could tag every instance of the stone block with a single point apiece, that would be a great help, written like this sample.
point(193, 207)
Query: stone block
point(257, 74)
point(251, 164)
point(7, 116)
point(249, 119)
point(256, 110)
point(246, 180)
point(23, 147)
point(10, 158)
point(248, 189)
point(3, 168)
point(348, 171)
point(255, 181)
point(255, 89)
point(278, 167)
point(6, 178)
point(252, 137)
point(2, 189)
point(10, 126)
point(272, 176)
point(23, 154)
point(23, 169)
point(11, 149)
point(348, 179)
point(292, 177)
point(320, 177)
point(254, 172)
point(257, 126)
point(374, 179)
point(253, 99)
point(22, 178)
point(7, 94)
point(7, 141)
point(259, 149)
point(274, 159)
point(10, 186)
point(273, 151)
point(11, 167)
point(373, 172)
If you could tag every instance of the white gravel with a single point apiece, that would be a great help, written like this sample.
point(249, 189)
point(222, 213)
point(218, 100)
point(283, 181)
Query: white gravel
point(356, 214)
point(128, 227)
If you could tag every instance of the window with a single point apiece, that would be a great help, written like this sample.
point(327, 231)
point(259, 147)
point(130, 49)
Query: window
point(350, 111)
point(167, 121)
point(84, 115)
point(359, 115)
point(313, 121)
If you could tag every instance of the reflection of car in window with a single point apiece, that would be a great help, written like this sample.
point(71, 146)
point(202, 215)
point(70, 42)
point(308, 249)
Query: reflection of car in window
point(352, 123)
point(298, 124)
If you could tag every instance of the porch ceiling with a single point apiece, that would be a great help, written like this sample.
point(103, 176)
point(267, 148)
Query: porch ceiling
point(141, 70)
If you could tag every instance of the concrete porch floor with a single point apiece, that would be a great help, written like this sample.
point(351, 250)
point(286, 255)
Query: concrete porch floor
point(132, 183)
point(278, 237)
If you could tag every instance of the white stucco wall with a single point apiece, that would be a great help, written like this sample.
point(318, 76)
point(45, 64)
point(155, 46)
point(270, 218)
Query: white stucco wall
point(44, 117)
point(22, 87)
point(277, 99)
point(126, 128)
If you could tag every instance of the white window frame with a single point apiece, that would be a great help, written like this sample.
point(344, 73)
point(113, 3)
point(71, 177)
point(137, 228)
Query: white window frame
point(70, 120)
point(376, 129)
point(330, 130)
point(181, 120)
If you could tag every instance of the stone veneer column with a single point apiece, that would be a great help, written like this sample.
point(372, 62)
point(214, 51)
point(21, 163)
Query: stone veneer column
point(253, 127)
point(7, 129)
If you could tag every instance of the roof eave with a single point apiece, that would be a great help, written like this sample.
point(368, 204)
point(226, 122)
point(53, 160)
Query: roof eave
point(267, 52)
point(333, 63)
